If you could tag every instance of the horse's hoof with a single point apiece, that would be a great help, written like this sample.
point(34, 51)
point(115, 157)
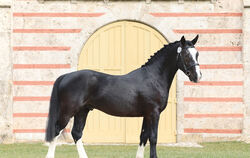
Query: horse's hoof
point(49, 156)
point(139, 156)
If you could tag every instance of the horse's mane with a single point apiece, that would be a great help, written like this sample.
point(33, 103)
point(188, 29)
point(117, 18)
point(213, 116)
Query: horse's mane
point(163, 51)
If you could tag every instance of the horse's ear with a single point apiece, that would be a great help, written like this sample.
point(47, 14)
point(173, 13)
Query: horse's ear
point(195, 39)
point(183, 40)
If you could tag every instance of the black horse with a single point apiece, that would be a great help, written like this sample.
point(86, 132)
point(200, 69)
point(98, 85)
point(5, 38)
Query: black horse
point(140, 93)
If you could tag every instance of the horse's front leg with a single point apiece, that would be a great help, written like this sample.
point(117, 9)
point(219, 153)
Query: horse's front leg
point(143, 139)
point(153, 134)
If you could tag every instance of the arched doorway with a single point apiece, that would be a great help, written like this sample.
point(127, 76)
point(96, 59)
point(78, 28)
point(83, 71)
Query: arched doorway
point(119, 48)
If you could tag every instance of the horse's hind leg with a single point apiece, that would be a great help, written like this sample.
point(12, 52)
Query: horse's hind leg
point(52, 148)
point(143, 139)
point(79, 123)
point(60, 125)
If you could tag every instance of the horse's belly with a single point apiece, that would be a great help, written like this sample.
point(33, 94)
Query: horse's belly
point(117, 101)
point(120, 110)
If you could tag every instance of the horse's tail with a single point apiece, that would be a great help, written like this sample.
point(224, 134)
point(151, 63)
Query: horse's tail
point(54, 110)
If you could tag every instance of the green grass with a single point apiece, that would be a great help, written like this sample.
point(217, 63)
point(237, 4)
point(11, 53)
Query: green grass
point(209, 150)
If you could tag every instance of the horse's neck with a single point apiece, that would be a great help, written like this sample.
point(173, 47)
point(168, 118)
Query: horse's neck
point(165, 69)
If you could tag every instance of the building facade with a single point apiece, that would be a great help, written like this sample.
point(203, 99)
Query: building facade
point(40, 40)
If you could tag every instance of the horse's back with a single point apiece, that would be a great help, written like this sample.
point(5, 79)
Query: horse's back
point(84, 82)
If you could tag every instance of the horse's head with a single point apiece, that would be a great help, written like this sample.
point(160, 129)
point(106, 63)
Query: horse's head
point(187, 59)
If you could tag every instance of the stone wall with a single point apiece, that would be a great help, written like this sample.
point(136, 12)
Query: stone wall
point(47, 38)
point(246, 58)
point(6, 73)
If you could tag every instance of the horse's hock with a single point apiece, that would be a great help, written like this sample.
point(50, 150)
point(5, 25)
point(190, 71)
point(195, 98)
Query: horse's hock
point(41, 41)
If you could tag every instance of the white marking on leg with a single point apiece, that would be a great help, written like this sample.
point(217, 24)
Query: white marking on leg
point(52, 147)
point(80, 149)
point(140, 151)
point(51, 151)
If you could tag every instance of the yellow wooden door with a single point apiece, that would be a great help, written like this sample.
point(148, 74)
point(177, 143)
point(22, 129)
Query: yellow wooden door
point(119, 48)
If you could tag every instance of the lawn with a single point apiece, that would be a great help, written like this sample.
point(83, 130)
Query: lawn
point(209, 150)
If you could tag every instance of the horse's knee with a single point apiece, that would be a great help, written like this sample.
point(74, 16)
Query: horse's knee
point(57, 130)
point(143, 138)
point(76, 134)
point(60, 125)
point(153, 139)
point(153, 142)
point(79, 123)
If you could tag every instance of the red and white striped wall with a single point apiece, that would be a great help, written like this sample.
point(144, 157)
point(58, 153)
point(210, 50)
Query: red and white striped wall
point(47, 39)
point(215, 105)
point(42, 51)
